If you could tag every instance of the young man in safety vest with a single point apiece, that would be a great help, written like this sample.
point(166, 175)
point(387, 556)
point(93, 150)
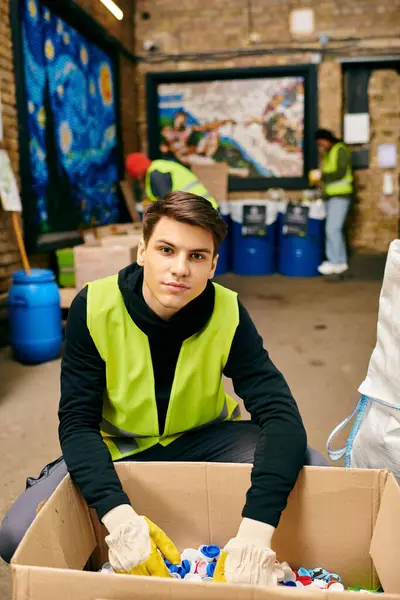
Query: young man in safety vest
point(159, 177)
point(337, 184)
point(141, 379)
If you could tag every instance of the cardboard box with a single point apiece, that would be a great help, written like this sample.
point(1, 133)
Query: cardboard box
point(214, 177)
point(346, 520)
point(95, 262)
point(118, 229)
point(130, 240)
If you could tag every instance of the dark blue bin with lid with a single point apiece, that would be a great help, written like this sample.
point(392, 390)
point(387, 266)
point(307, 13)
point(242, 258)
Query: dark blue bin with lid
point(224, 251)
point(300, 256)
point(35, 316)
point(254, 254)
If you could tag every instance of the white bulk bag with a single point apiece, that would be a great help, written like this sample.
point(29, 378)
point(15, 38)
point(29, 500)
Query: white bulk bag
point(374, 441)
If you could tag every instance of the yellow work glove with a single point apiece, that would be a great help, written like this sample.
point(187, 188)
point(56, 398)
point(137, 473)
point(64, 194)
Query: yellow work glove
point(248, 558)
point(314, 177)
point(136, 545)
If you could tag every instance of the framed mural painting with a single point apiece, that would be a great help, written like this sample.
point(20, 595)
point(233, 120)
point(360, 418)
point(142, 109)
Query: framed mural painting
point(67, 74)
point(261, 121)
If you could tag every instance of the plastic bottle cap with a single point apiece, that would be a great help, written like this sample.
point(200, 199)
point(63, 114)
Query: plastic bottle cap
point(175, 575)
point(335, 586)
point(192, 577)
point(186, 565)
point(210, 552)
point(304, 580)
point(320, 583)
point(192, 554)
point(193, 565)
point(201, 568)
point(211, 569)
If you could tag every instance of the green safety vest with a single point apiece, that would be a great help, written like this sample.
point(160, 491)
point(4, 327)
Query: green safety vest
point(130, 421)
point(330, 163)
point(183, 180)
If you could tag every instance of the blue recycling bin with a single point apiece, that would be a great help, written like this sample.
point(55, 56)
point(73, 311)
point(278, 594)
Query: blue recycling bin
point(300, 256)
point(35, 316)
point(254, 254)
point(224, 252)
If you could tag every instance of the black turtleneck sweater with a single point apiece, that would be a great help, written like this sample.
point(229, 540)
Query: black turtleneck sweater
point(280, 450)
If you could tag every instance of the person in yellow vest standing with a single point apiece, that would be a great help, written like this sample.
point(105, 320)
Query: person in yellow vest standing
point(159, 177)
point(336, 178)
point(141, 379)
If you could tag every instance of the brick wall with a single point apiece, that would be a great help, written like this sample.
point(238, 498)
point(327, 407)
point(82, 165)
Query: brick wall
point(124, 32)
point(200, 26)
point(375, 222)
point(9, 257)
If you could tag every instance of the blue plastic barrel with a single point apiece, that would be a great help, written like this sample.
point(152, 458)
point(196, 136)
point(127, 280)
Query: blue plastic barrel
point(301, 256)
point(224, 259)
point(35, 316)
point(254, 254)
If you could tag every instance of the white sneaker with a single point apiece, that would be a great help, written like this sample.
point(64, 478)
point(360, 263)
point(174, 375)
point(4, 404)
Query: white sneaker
point(341, 268)
point(326, 268)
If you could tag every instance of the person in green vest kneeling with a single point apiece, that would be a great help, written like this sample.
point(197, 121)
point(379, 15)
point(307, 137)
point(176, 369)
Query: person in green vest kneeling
point(142, 379)
point(159, 177)
point(337, 184)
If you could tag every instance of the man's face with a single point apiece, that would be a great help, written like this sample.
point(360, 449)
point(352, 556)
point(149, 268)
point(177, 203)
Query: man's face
point(178, 261)
point(324, 146)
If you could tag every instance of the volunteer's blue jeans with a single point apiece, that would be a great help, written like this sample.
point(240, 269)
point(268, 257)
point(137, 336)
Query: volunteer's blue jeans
point(231, 442)
point(337, 209)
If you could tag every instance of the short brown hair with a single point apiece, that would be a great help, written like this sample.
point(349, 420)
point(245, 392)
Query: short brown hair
point(186, 208)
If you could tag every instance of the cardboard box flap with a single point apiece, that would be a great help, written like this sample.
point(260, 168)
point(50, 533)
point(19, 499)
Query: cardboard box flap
point(61, 535)
point(385, 547)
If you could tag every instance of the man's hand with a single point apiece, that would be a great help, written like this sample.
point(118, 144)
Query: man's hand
point(248, 558)
point(135, 544)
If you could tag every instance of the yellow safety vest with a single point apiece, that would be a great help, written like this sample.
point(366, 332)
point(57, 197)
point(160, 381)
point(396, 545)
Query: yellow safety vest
point(130, 419)
point(330, 164)
point(183, 180)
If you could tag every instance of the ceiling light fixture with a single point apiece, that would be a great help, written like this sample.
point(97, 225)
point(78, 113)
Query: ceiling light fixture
point(113, 8)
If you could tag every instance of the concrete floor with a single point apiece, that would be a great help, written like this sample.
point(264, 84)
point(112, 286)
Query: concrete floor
point(320, 335)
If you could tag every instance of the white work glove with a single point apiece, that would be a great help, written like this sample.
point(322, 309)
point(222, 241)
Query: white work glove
point(135, 544)
point(248, 558)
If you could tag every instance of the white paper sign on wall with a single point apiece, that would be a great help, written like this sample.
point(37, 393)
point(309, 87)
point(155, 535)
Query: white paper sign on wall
point(387, 156)
point(302, 21)
point(9, 194)
point(356, 128)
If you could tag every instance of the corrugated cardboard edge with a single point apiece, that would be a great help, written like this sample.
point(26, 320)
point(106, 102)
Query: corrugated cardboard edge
point(44, 543)
point(377, 493)
point(385, 544)
point(36, 583)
